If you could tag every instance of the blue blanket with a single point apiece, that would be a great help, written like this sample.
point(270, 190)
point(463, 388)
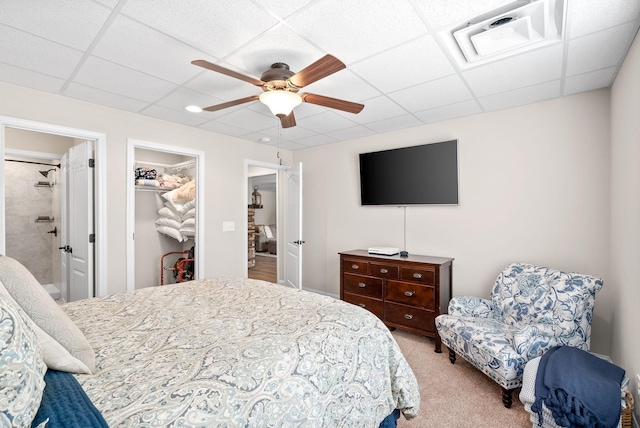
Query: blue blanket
point(580, 389)
point(65, 404)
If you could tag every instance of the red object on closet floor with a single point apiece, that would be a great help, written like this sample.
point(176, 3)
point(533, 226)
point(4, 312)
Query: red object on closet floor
point(180, 268)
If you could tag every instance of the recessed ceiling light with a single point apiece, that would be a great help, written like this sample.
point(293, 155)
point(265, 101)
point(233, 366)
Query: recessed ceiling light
point(193, 109)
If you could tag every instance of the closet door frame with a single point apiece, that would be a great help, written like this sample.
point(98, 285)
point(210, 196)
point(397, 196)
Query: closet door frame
point(132, 145)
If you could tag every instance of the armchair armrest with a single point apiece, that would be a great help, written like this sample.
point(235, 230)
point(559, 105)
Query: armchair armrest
point(470, 306)
point(533, 340)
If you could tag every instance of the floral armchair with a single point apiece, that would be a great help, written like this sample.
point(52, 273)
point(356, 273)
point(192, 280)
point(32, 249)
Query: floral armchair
point(532, 309)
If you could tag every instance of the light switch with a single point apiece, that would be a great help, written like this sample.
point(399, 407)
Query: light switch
point(228, 226)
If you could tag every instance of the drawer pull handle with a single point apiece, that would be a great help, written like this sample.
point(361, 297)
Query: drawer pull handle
point(384, 270)
point(409, 293)
point(362, 285)
point(417, 275)
point(362, 305)
point(354, 266)
point(408, 316)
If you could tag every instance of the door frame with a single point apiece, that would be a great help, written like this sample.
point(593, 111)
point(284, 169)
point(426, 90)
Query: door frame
point(277, 168)
point(132, 145)
point(99, 188)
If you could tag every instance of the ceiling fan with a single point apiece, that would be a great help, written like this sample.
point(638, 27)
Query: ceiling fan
point(281, 86)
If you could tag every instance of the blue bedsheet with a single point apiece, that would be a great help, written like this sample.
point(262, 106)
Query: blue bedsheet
point(65, 404)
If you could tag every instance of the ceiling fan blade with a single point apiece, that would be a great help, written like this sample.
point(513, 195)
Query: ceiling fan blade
point(213, 67)
point(288, 121)
point(231, 103)
point(335, 103)
point(323, 67)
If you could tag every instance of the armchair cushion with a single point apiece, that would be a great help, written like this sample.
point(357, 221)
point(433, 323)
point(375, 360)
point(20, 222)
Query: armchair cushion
point(470, 306)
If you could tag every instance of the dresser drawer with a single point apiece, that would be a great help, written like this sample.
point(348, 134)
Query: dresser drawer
point(373, 305)
point(363, 285)
point(409, 317)
point(356, 266)
point(384, 271)
point(423, 275)
point(411, 293)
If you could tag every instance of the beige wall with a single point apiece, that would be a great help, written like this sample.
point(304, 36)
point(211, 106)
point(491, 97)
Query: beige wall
point(224, 171)
point(534, 187)
point(625, 216)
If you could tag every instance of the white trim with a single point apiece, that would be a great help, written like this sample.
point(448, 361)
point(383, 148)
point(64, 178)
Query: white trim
point(133, 144)
point(31, 155)
point(100, 193)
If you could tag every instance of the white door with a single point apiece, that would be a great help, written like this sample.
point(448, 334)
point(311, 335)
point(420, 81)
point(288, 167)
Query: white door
point(293, 228)
point(64, 229)
point(80, 221)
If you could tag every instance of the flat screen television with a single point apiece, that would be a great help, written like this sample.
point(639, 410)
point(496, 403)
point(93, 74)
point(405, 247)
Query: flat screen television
point(417, 175)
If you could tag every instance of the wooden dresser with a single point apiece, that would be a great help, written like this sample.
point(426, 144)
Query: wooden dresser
point(404, 292)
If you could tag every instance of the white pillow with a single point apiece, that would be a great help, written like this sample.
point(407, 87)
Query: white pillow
point(44, 311)
point(171, 232)
point(267, 232)
point(187, 206)
point(169, 213)
point(189, 214)
point(188, 222)
point(53, 354)
point(21, 368)
point(164, 221)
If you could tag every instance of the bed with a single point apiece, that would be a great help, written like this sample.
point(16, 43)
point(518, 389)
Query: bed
point(239, 353)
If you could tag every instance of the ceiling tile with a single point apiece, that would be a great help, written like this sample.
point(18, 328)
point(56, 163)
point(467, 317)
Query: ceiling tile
point(222, 87)
point(595, 15)
point(284, 9)
point(529, 68)
point(249, 119)
point(110, 77)
point(31, 79)
point(109, 99)
point(327, 122)
point(599, 50)
point(357, 29)
point(182, 97)
point(344, 85)
point(589, 81)
point(223, 128)
point(446, 13)
point(172, 115)
point(351, 133)
point(395, 123)
point(33, 53)
point(448, 90)
point(451, 111)
point(212, 27)
point(316, 140)
point(414, 62)
point(376, 109)
point(75, 24)
point(279, 44)
point(519, 97)
point(137, 46)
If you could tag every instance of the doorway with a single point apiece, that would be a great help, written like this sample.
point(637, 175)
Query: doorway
point(263, 225)
point(159, 223)
point(97, 203)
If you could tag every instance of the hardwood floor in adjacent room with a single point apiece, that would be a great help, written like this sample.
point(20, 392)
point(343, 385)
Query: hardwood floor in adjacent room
point(265, 269)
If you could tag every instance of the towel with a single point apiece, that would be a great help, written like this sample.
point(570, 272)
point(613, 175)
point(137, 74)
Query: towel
point(580, 389)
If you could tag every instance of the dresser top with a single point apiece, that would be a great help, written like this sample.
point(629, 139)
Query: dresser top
point(411, 258)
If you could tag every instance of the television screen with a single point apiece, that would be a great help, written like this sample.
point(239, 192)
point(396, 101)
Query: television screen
point(418, 175)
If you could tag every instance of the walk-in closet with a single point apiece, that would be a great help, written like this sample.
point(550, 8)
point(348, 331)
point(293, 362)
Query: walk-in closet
point(165, 217)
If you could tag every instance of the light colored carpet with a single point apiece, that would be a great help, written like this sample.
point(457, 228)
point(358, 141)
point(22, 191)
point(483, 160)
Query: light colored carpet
point(455, 395)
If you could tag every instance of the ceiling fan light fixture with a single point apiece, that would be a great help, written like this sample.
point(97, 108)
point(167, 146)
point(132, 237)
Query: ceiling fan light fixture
point(280, 102)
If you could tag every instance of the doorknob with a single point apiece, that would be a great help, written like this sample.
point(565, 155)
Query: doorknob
point(66, 248)
point(298, 242)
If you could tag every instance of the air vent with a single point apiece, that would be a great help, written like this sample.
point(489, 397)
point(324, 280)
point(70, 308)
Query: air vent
point(513, 28)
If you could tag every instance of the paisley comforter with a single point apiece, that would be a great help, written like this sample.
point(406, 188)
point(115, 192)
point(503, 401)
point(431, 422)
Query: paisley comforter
point(241, 353)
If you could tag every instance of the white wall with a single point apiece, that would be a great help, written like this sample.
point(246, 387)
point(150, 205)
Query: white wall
point(224, 171)
point(534, 187)
point(625, 216)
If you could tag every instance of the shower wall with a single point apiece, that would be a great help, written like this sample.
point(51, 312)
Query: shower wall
point(28, 240)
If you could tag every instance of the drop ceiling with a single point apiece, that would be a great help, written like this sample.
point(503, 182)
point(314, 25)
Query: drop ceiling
point(135, 55)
